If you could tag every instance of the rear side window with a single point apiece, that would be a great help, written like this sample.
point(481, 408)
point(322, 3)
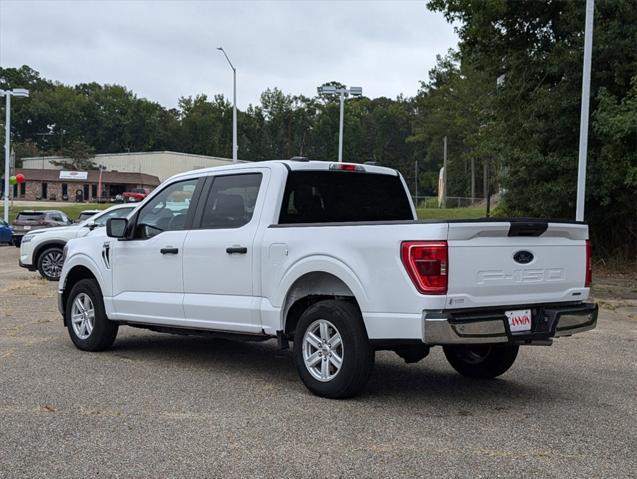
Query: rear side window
point(231, 201)
point(30, 217)
point(336, 196)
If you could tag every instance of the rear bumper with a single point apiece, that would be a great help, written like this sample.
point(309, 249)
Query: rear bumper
point(491, 325)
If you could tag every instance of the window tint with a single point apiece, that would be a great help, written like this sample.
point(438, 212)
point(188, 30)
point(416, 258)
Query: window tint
point(334, 196)
point(85, 216)
point(116, 213)
point(31, 216)
point(55, 217)
point(231, 201)
point(167, 211)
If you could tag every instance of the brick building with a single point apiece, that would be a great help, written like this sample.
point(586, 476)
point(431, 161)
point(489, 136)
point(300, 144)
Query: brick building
point(60, 185)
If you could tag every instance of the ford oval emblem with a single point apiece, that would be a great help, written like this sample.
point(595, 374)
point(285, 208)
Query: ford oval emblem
point(523, 257)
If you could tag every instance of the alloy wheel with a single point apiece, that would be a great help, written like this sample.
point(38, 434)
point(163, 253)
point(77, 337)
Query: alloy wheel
point(83, 316)
point(323, 350)
point(52, 263)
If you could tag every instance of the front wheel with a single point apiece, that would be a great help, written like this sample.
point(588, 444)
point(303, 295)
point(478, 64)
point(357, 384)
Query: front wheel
point(332, 351)
point(50, 263)
point(484, 361)
point(86, 320)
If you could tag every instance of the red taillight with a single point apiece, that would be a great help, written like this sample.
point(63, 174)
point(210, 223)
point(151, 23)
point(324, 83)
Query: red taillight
point(427, 264)
point(589, 266)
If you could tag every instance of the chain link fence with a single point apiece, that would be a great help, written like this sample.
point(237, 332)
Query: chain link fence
point(452, 202)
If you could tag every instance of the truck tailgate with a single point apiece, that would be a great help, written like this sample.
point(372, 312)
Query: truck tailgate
point(516, 262)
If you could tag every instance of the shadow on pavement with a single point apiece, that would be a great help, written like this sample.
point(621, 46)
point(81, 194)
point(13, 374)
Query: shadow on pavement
point(390, 379)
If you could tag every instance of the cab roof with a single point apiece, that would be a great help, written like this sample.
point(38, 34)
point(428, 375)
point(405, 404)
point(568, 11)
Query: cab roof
point(293, 165)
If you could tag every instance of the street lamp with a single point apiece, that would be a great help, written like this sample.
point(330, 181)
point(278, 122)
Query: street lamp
point(235, 146)
point(20, 93)
point(343, 93)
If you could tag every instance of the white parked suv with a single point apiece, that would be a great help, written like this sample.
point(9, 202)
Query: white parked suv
point(42, 249)
point(332, 257)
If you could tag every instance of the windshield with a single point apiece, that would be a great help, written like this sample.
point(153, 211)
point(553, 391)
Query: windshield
point(101, 219)
point(85, 216)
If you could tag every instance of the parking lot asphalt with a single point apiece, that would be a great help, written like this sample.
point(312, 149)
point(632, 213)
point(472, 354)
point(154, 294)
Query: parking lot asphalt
point(160, 405)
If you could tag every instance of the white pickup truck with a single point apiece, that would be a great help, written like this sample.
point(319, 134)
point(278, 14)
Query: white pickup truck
point(332, 257)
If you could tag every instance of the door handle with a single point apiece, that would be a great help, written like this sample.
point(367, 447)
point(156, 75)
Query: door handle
point(236, 249)
point(169, 250)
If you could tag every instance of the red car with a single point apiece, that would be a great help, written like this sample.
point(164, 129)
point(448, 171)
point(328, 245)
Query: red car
point(135, 195)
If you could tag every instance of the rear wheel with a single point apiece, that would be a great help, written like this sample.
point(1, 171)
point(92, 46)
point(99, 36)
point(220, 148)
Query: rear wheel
point(332, 351)
point(483, 361)
point(86, 320)
point(50, 263)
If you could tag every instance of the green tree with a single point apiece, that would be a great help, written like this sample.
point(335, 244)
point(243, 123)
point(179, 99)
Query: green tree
point(77, 156)
point(534, 50)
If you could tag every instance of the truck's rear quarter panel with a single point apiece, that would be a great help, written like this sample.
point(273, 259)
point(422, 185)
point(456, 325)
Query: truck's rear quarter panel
point(368, 259)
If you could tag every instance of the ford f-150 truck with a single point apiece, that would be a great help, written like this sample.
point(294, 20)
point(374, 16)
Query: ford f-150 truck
point(331, 257)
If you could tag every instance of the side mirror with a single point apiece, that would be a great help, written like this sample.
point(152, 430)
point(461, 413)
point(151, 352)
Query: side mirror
point(116, 227)
point(90, 224)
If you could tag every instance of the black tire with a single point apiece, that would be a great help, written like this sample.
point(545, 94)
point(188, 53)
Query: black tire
point(104, 330)
point(483, 361)
point(51, 270)
point(17, 242)
point(357, 353)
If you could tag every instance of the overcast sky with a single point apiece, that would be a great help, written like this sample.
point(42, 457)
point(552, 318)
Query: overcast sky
point(166, 49)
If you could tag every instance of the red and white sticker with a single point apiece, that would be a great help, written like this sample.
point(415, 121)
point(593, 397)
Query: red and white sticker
point(519, 320)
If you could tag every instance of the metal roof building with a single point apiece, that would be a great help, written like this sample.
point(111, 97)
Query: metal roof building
point(162, 164)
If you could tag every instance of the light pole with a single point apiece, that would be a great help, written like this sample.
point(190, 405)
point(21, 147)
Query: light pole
point(444, 172)
point(235, 146)
point(343, 93)
point(586, 93)
point(17, 92)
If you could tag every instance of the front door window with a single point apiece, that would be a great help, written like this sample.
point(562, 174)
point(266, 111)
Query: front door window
point(167, 211)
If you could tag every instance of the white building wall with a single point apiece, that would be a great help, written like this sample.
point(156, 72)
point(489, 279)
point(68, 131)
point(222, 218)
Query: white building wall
point(162, 164)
